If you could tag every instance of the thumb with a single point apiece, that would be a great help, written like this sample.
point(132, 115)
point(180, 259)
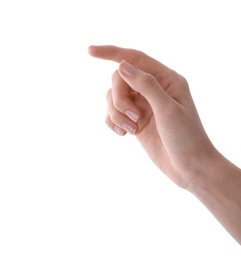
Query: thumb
point(146, 84)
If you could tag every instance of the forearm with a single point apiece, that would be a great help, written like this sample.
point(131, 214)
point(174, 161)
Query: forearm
point(219, 188)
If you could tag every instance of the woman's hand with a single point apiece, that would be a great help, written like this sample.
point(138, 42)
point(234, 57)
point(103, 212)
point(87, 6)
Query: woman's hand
point(154, 103)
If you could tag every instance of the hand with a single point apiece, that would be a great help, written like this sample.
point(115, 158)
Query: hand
point(153, 102)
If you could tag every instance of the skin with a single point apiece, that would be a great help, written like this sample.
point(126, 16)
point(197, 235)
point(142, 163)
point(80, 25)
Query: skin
point(154, 103)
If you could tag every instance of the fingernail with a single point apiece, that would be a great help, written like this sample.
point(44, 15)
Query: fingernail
point(128, 128)
point(118, 130)
point(126, 68)
point(132, 115)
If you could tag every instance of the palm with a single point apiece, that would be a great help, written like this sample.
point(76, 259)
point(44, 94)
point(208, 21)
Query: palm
point(150, 139)
point(166, 136)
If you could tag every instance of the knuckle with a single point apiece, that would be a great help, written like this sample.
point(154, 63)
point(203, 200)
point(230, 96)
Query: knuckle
point(113, 117)
point(107, 120)
point(118, 102)
point(115, 76)
point(148, 80)
point(109, 94)
point(183, 83)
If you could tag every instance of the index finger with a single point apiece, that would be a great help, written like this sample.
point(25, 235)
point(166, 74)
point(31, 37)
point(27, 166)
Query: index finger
point(134, 57)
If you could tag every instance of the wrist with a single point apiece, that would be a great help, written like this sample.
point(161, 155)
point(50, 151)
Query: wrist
point(207, 173)
point(218, 188)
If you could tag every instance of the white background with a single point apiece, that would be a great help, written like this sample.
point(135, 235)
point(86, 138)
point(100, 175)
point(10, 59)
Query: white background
point(69, 187)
